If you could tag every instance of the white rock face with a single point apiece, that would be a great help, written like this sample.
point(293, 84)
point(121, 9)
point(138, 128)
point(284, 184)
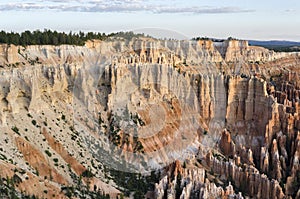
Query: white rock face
point(151, 102)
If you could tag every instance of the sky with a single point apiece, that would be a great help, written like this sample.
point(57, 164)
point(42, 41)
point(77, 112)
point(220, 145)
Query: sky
point(243, 19)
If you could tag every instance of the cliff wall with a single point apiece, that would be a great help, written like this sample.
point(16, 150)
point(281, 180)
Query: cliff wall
point(151, 102)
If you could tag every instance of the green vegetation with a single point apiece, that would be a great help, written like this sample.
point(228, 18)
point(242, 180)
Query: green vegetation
point(201, 38)
point(80, 190)
point(128, 35)
point(231, 38)
point(33, 122)
point(15, 129)
point(282, 48)
point(135, 182)
point(8, 190)
point(178, 187)
point(114, 135)
point(83, 191)
point(49, 37)
point(48, 153)
point(137, 120)
point(219, 156)
point(3, 157)
point(37, 172)
point(138, 147)
point(87, 173)
point(207, 39)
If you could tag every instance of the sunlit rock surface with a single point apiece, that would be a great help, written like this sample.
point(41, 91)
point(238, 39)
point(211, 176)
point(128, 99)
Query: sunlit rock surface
point(218, 119)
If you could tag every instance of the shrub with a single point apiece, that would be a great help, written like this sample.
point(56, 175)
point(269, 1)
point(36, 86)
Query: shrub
point(87, 173)
point(48, 153)
point(15, 129)
point(33, 122)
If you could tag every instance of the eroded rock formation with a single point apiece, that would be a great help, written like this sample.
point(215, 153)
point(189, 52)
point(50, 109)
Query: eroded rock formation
point(229, 110)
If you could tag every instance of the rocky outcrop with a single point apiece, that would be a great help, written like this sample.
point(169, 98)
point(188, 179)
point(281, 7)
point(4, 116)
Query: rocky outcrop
point(229, 109)
point(239, 51)
point(38, 161)
point(191, 183)
point(247, 178)
point(226, 145)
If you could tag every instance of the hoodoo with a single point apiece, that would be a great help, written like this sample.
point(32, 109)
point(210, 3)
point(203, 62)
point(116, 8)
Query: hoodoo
point(196, 119)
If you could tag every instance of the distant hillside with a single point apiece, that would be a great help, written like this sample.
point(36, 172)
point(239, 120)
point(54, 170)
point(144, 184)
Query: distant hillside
point(278, 46)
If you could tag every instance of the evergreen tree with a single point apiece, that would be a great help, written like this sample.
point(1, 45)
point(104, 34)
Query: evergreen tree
point(48, 37)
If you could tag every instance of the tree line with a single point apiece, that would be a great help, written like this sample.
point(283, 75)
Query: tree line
point(213, 39)
point(49, 37)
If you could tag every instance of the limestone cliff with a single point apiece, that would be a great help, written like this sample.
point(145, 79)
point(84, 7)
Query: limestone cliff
point(229, 110)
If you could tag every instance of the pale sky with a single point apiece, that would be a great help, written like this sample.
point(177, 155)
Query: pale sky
point(244, 19)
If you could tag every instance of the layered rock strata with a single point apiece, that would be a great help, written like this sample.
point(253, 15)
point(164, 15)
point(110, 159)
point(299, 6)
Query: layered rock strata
point(232, 107)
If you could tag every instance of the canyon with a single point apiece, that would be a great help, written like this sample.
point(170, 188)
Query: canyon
point(211, 119)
